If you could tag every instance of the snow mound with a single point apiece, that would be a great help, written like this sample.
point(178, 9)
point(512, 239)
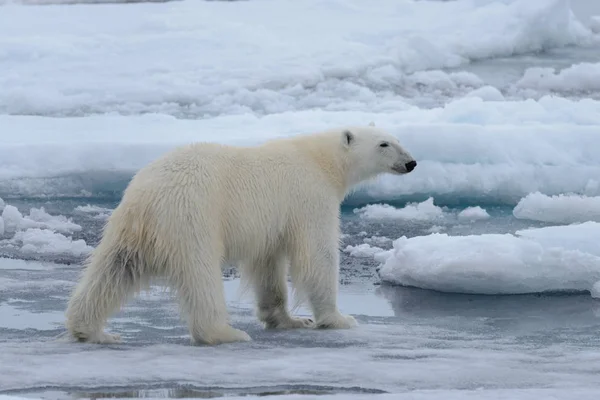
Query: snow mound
point(44, 241)
point(40, 233)
point(531, 261)
point(473, 214)
point(562, 208)
point(37, 218)
point(436, 229)
point(424, 211)
point(12, 218)
point(380, 240)
point(486, 93)
point(362, 250)
point(583, 77)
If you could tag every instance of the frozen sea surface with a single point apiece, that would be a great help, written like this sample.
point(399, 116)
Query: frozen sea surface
point(409, 339)
point(499, 100)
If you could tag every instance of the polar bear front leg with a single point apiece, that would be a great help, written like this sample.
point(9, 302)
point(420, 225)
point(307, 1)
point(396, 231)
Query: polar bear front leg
point(268, 277)
point(315, 271)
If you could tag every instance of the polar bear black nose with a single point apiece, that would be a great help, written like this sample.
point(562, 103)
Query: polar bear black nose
point(410, 165)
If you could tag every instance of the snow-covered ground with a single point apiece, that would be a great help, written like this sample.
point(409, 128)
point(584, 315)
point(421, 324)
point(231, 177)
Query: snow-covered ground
point(212, 58)
point(476, 276)
point(499, 151)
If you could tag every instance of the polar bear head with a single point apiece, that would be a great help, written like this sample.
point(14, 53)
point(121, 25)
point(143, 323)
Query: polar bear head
point(371, 152)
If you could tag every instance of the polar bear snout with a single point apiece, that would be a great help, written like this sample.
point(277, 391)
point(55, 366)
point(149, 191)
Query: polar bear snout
point(402, 161)
point(410, 165)
point(405, 168)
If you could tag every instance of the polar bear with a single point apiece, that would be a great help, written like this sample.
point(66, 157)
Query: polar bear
point(270, 209)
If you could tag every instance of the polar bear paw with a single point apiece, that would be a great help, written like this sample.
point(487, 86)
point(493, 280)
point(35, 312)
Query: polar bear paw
point(105, 338)
point(226, 334)
point(292, 323)
point(337, 321)
point(99, 337)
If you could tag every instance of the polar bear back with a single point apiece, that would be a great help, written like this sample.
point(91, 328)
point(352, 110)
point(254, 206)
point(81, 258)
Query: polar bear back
point(245, 198)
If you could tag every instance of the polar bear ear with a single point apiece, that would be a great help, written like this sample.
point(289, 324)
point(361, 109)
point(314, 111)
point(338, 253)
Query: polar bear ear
point(372, 123)
point(347, 138)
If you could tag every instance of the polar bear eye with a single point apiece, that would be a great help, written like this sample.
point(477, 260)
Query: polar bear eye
point(384, 144)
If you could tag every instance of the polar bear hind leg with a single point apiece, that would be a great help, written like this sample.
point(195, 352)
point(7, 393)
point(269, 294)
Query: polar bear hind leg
point(108, 279)
point(113, 274)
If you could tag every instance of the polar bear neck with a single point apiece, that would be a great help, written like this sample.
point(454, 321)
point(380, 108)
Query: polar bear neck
point(325, 151)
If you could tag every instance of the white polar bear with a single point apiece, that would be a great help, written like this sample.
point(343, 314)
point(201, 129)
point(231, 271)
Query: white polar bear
point(262, 208)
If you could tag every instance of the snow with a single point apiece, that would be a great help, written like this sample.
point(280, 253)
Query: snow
point(468, 148)
point(436, 229)
point(578, 237)
point(127, 74)
point(44, 241)
point(586, 10)
point(200, 58)
point(595, 24)
point(596, 290)
point(37, 218)
point(487, 93)
point(12, 218)
point(377, 240)
point(562, 208)
point(424, 211)
point(530, 261)
point(41, 233)
point(363, 250)
point(583, 77)
point(473, 214)
point(2, 227)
